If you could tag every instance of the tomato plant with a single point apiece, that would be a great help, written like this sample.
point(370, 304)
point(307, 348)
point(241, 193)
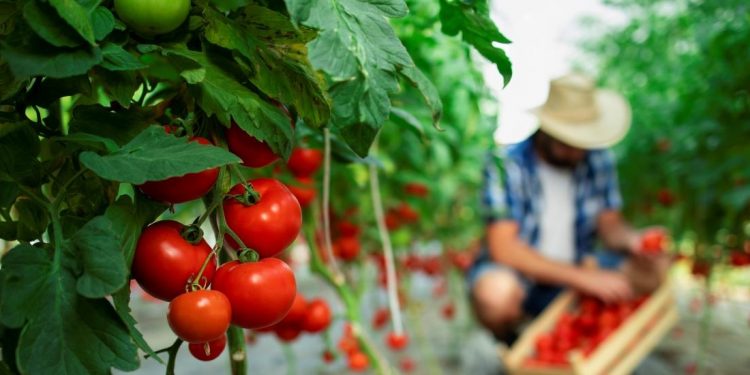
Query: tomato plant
point(87, 91)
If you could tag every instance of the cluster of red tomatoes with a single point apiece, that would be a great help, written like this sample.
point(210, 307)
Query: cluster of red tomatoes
point(583, 329)
point(311, 316)
point(173, 262)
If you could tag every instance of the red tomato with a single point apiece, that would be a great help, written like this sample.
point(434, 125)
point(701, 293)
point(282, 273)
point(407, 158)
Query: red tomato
point(261, 293)
point(199, 316)
point(287, 333)
point(700, 268)
point(407, 213)
point(346, 228)
point(380, 318)
point(666, 198)
point(164, 262)
point(392, 222)
point(304, 161)
point(182, 188)
point(328, 356)
point(347, 248)
point(448, 311)
point(254, 153)
point(608, 320)
point(297, 313)
point(431, 266)
point(208, 351)
point(348, 345)
point(318, 316)
point(396, 341)
point(416, 189)
point(461, 260)
point(269, 225)
point(590, 305)
point(407, 365)
point(739, 259)
point(653, 241)
point(304, 190)
point(544, 342)
point(358, 361)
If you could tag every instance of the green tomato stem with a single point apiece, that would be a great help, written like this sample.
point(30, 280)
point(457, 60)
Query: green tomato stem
point(237, 354)
point(351, 302)
point(172, 351)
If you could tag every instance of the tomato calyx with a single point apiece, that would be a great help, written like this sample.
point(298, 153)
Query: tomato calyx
point(249, 197)
point(192, 234)
point(248, 255)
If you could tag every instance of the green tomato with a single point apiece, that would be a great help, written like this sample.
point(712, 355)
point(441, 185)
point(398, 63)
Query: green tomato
point(152, 17)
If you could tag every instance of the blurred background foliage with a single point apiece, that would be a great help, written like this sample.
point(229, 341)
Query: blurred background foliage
point(683, 65)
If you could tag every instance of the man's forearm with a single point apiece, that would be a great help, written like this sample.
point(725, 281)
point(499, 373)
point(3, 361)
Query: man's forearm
point(506, 248)
point(616, 233)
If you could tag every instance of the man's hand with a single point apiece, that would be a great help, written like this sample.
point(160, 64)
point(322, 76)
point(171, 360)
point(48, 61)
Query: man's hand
point(609, 286)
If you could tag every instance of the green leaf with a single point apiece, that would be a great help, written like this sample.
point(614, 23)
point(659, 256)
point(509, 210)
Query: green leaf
point(9, 84)
point(220, 93)
point(229, 5)
point(122, 302)
point(77, 16)
point(8, 193)
point(32, 219)
point(98, 249)
point(19, 148)
point(45, 22)
point(116, 58)
point(64, 332)
point(121, 126)
point(119, 85)
point(103, 22)
point(359, 50)
point(130, 218)
point(428, 91)
point(155, 155)
point(35, 59)
point(90, 141)
point(473, 21)
point(275, 50)
point(8, 14)
point(407, 120)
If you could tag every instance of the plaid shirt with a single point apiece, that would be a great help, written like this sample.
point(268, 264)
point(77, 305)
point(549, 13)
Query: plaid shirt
point(512, 191)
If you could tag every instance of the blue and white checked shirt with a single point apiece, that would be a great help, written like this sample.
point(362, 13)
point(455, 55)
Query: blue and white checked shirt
point(512, 190)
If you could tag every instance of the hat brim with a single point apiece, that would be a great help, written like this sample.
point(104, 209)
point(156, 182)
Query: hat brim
point(606, 130)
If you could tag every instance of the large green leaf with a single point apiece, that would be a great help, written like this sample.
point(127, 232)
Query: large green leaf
point(220, 93)
point(19, 148)
point(129, 218)
point(78, 16)
point(64, 333)
point(120, 126)
point(97, 245)
point(36, 59)
point(116, 58)
point(275, 50)
point(155, 155)
point(120, 85)
point(472, 21)
point(363, 56)
point(45, 22)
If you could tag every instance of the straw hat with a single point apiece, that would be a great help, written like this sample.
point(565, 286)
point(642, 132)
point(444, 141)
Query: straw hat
point(579, 114)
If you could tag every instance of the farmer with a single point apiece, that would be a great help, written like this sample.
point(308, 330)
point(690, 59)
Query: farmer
point(546, 201)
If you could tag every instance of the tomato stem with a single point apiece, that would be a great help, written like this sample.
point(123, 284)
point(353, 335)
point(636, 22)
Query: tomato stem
point(172, 350)
point(326, 204)
point(390, 269)
point(237, 355)
point(209, 210)
point(250, 196)
point(351, 301)
point(249, 255)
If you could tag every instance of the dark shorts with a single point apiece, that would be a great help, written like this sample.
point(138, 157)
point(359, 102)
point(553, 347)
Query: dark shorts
point(538, 296)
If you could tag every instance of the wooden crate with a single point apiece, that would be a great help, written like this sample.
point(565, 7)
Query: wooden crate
point(618, 354)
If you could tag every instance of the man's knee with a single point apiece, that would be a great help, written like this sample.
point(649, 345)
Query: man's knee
point(497, 298)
